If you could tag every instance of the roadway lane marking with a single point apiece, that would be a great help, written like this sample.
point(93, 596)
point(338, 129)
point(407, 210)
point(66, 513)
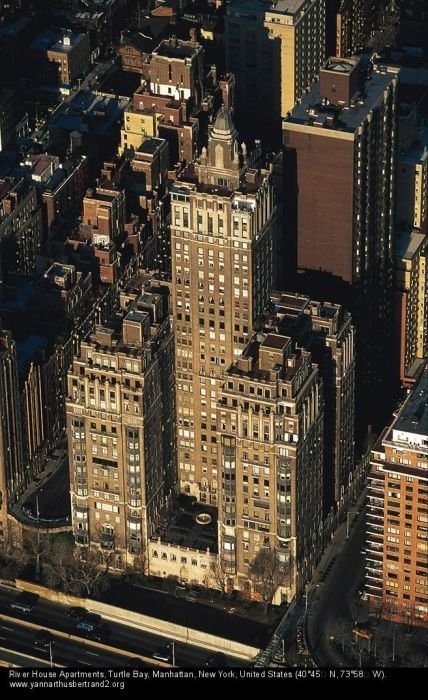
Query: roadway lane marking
point(9, 629)
point(91, 653)
point(3, 638)
point(85, 662)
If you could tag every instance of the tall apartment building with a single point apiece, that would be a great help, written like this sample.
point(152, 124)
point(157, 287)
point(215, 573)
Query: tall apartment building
point(326, 331)
point(275, 51)
point(411, 318)
point(397, 514)
point(20, 227)
point(270, 423)
point(355, 22)
point(8, 117)
point(12, 464)
point(340, 163)
point(120, 398)
point(412, 181)
point(223, 231)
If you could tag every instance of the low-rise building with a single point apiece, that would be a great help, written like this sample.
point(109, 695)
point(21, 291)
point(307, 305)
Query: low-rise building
point(61, 187)
point(61, 57)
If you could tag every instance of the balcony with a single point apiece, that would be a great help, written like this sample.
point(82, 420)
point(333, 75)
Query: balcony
point(81, 536)
point(375, 557)
point(107, 540)
point(374, 512)
point(134, 545)
point(376, 530)
point(375, 574)
point(374, 589)
point(374, 539)
point(134, 502)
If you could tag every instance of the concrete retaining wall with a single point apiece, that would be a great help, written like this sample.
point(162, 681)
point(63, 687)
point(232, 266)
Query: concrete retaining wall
point(152, 625)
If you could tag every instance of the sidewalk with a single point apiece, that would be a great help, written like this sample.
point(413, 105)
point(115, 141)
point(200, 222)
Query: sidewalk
point(28, 516)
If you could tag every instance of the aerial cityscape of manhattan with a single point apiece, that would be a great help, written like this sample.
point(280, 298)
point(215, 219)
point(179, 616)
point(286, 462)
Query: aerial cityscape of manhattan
point(213, 342)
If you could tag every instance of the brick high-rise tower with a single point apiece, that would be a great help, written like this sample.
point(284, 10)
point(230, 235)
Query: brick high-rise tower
point(340, 168)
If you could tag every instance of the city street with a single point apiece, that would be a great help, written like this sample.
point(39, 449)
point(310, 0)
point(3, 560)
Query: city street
point(336, 598)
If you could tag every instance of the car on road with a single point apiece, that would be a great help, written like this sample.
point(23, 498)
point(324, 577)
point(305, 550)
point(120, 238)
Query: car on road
point(44, 639)
point(164, 653)
point(25, 602)
point(89, 623)
point(76, 612)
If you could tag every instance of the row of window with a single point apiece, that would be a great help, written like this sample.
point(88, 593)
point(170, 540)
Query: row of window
point(173, 557)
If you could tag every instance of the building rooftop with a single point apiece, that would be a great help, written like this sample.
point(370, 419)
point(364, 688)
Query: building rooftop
point(174, 48)
point(408, 243)
point(414, 415)
point(150, 145)
point(140, 41)
point(88, 112)
point(287, 7)
point(312, 112)
point(276, 342)
point(340, 65)
point(180, 525)
point(56, 40)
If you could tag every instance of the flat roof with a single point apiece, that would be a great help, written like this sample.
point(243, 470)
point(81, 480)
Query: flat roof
point(59, 270)
point(172, 50)
point(150, 145)
point(408, 242)
point(87, 106)
point(136, 316)
point(349, 118)
point(340, 65)
point(414, 416)
point(281, 6)
point(56, 41)
point(277, 342)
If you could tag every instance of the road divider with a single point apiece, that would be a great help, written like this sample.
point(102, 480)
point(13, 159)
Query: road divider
point(85, 642)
